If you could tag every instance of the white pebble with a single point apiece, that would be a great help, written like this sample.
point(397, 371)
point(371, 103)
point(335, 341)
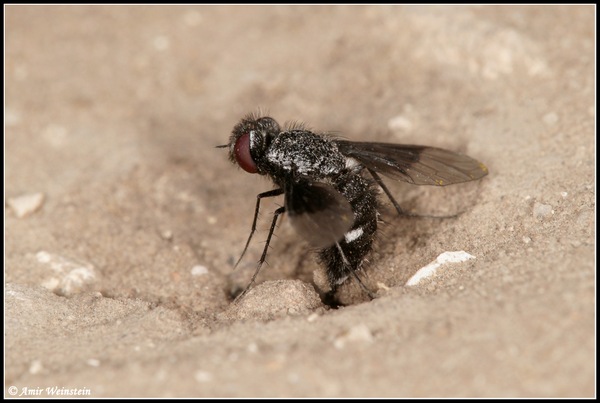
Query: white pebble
point(431, 268)
point(541, 211)
point(36, 367)
point(358, 333)
point(252, 348)
point(93, 362)
point(400, 123)
point(26, 204)
point(199, 270)
point(69, 276)
point(203, 376)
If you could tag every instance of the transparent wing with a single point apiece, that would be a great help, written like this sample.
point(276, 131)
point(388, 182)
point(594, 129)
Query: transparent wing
point(419, 165)
point(320, 213)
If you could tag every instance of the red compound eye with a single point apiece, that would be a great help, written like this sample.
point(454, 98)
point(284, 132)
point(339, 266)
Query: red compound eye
point(242, 154)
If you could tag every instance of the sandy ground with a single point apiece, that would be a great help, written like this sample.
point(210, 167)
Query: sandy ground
point(123, 221)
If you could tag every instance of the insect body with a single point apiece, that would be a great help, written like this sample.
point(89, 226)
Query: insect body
point(328, 195)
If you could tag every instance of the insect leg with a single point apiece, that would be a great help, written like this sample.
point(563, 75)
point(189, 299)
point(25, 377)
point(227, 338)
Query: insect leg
point(270, 193)
point(263, 257)
point(347, 263)
point(387, 192)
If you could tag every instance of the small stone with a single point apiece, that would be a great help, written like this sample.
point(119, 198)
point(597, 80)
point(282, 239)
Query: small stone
point(199, 270)
point(203, 376)
point(36, 367)
point(92, 362)
point(443, 259)
point(400, 123)
point(541, 211)
point(27, 204)
point(359, 333)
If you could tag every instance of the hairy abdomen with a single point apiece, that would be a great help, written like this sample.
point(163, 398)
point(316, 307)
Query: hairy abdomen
point(350, 252)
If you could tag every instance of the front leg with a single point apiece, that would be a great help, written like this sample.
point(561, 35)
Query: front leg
point(263, 257)
point(270, 193)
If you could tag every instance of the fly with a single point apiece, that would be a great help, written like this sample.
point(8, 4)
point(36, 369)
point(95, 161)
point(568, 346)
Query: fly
point(330, 185)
